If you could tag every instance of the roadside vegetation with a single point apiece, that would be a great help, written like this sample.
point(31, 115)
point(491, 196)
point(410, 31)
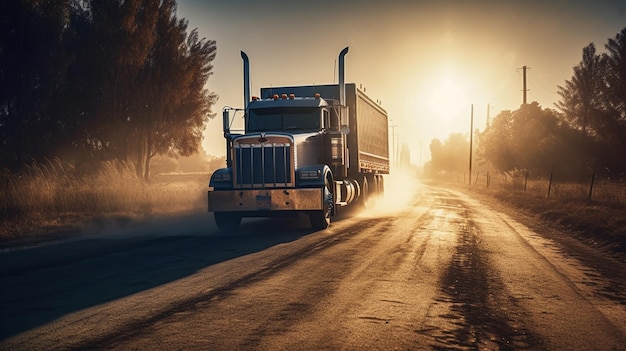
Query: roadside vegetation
point(55, 198)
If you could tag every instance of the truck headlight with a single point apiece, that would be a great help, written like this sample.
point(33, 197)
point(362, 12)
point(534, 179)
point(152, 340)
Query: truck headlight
point(310, 174)
point(221, 177)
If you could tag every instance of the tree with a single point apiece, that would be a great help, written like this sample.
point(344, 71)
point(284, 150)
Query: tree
point(145, 93)
point(594, 102)
point(495, 142)
point(32, 67)
point(582, 95)
point(615, 103)
point(173, 81)
point(450, 156)
point(616, 75)
point(532, 138)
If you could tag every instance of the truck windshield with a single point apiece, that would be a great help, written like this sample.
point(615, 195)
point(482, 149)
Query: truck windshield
point(284, 118)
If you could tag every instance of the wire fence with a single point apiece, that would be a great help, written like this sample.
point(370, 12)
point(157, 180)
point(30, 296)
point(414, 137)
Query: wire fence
point(591, 187)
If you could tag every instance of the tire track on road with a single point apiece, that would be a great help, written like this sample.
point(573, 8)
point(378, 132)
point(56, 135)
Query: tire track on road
point(481, 315)
point(138, 328)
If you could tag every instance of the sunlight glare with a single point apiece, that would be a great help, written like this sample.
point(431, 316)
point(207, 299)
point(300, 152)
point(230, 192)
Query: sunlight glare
point(448, 100)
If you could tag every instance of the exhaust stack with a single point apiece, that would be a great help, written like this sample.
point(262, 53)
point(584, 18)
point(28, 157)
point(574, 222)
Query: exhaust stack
point(342, 83)
point(246, 81)
point(343, 117)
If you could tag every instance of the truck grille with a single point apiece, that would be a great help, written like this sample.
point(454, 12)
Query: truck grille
point(266, 164)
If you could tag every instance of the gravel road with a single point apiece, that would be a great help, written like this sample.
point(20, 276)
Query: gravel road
point(436, 270)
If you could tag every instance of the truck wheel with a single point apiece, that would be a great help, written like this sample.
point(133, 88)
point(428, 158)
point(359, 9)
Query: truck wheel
point(321, 219)
point(227, 221)
point(364, 200)
point(369, 191)
point(381, 185)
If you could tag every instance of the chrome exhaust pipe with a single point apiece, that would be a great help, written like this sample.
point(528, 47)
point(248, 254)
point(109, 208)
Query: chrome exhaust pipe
point(342, 83)
point(246, 81)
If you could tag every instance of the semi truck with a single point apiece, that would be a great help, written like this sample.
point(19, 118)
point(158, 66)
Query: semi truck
point(309, 149)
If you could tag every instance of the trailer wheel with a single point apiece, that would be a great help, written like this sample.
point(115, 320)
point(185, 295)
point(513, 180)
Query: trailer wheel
point(227, 221)
point(381, 185)
point(364, 200)
point(370, 190)
point(321, 219)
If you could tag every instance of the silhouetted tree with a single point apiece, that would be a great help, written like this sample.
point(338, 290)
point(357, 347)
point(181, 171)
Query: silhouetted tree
point(594, 101)
point(173, 79)
point(450, 156)
point(616, 75)
point(581, 96)
point(32, 68)
point(532, 138)
point(101, 80)
point(495, 142)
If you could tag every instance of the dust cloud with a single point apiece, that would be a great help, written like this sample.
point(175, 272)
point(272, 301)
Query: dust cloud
point(400, 189)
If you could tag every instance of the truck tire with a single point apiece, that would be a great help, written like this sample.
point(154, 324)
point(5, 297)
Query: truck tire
point(227, 221)
point(364, 199)
point(321, 219)
point(369, 191)
point(380, 181)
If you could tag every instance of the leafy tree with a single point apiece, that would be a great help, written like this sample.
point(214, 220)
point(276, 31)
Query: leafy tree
point(32, 67)
point(581, 96)
point(177, 105)
point(616, 75)
point(495, 142)
point(532, 138)
point(101, 80)
point(450, 156)
point(594, 102)
point(114, 43)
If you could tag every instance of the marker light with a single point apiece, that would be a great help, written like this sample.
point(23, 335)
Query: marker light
point(275, 96)
point(283, 96)
point(255, 98)
point(292, 96)
point(317, 95)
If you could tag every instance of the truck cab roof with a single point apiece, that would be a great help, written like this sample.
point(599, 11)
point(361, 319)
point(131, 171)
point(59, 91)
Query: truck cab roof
point(285, 101)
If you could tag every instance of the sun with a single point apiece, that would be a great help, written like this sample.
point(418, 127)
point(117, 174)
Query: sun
point(448, 100)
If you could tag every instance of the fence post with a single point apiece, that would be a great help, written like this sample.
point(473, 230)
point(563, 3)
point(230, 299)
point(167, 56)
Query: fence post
point(593, 177)
point(525, 180)
point(549, 186)
point(487, 179)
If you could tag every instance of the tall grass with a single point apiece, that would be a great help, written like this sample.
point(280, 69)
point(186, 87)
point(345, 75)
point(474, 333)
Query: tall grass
point(53, 194)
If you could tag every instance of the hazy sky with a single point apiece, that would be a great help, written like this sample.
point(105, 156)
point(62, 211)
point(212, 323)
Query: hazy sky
point(427, 61)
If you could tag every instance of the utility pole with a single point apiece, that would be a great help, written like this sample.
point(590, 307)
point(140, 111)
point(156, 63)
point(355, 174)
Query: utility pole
point(471, 143)
point(524, 69)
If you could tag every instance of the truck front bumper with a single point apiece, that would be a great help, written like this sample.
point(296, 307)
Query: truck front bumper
point(266, 200)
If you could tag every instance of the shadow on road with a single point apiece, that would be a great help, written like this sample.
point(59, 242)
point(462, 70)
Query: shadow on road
point(42, 284)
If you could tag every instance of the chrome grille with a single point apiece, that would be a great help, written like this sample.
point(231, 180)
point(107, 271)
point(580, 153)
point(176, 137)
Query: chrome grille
point(263, 165)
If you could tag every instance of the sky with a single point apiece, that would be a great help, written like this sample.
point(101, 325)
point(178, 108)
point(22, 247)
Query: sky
point(428, 62)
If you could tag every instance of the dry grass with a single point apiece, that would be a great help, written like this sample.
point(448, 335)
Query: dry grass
point(53, 196)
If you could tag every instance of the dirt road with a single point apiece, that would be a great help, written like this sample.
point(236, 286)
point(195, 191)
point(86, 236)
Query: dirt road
point(434, 271)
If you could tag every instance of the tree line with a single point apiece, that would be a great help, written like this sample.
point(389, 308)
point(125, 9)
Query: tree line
point(101, 80)
point(586, 132)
